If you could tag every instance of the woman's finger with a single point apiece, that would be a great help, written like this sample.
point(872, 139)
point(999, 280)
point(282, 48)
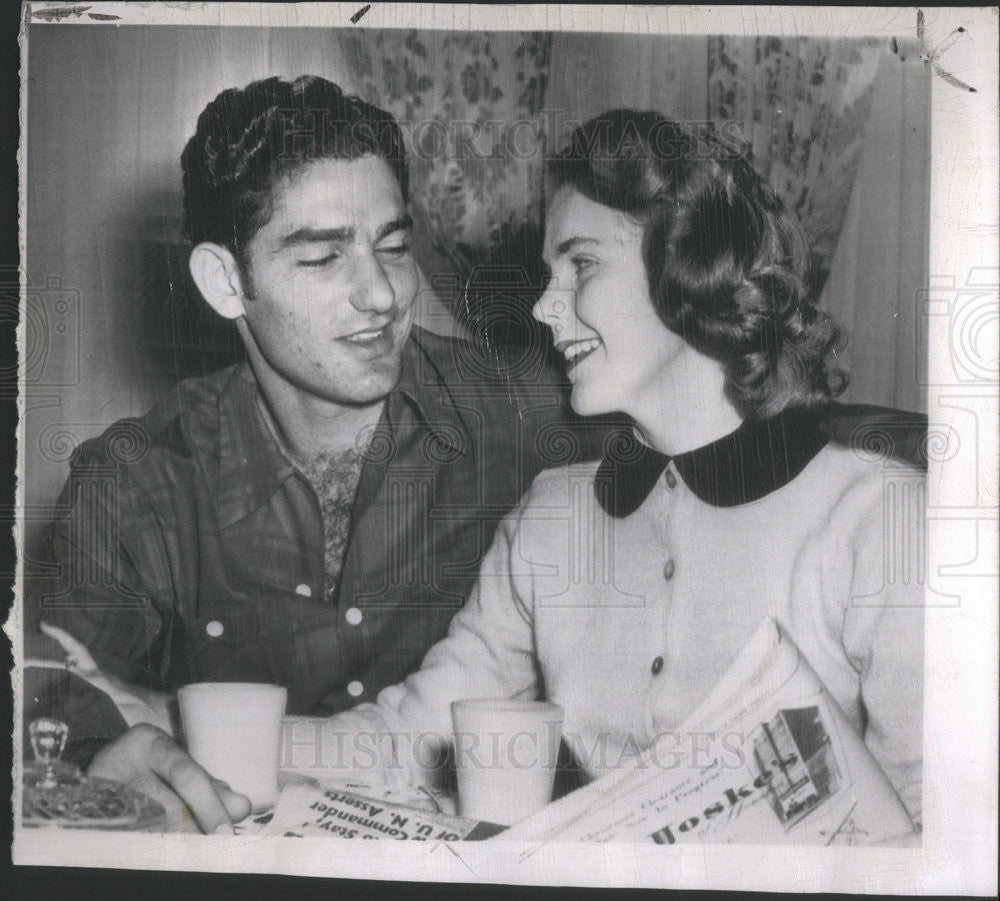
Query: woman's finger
point(136, 705)
point(81, 656)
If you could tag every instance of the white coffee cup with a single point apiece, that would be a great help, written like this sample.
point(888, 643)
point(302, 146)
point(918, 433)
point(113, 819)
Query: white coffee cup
point(505, 757)
point(233, 730)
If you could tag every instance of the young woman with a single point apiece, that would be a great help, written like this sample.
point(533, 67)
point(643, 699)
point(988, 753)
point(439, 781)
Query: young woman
point(622, 590)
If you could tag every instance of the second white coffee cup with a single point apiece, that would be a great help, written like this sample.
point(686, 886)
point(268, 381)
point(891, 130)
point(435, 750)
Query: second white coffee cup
point(505, 757)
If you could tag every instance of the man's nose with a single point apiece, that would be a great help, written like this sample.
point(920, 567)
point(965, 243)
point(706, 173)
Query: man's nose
point(375, 292)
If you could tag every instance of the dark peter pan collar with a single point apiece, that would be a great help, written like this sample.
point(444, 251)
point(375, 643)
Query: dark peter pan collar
point(761, 456)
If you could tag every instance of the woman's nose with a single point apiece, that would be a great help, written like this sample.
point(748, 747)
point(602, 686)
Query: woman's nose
point(550, 308)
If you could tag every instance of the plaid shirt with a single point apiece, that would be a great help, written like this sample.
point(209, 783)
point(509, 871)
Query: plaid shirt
point(192, 549)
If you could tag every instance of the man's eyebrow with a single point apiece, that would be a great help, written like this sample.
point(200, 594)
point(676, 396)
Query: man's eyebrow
point(403, 222)
point(342, 235)
point(318, 235)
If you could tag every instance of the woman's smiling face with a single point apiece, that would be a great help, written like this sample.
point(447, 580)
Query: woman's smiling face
point(618, 352)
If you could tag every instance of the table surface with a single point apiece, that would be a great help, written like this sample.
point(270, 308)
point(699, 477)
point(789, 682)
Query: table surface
point(420, 798)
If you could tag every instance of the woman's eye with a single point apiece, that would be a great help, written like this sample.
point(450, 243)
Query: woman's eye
point(582, 264)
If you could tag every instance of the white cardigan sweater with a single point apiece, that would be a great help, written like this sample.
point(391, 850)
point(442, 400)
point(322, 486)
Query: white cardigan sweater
point(628, 620)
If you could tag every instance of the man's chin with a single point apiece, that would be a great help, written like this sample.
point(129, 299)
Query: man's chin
point(376, 381)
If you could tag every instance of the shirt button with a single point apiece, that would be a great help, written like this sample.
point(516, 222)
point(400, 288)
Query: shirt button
point(668, 570)
point(304, 590)
point(353, 616)
point(657, 666)
point(671, 479)
point(214, 629)
point(354, 689)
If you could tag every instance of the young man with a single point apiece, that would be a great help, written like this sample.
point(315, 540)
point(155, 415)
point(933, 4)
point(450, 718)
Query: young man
point(314, 515)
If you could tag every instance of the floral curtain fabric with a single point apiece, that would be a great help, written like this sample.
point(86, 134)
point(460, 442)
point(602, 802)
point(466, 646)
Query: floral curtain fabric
point(469, 104)
point(479, 109)
point(802, 105)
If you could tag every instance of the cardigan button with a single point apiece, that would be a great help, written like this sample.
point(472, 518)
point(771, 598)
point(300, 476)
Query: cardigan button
point(214, 629)
point(657, 666)
point(304, 590)
point(355, 689)
point(354, 616)
point(668, 570)
point(671, 479)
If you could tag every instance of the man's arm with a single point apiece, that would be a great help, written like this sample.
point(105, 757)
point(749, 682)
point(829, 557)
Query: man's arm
point(100, 601)
point(96, 595)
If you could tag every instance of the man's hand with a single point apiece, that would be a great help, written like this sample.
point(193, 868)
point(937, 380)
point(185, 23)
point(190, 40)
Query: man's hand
point(147, 759)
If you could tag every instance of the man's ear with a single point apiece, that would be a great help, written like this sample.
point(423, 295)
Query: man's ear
point(217, 275)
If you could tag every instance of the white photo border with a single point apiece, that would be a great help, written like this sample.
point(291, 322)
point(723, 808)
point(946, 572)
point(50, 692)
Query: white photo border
point(958, 855)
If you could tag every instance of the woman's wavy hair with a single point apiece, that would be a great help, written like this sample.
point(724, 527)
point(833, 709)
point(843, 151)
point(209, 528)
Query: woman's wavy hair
point(727, 264)
point(247, 139)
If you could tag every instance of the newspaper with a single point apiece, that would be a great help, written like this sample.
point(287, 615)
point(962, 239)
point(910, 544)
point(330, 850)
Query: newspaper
point(310, 810)
point(803, 775)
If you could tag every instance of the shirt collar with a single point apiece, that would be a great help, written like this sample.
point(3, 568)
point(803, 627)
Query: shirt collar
point(427, 391)
point(746, 465)
point(252, 465)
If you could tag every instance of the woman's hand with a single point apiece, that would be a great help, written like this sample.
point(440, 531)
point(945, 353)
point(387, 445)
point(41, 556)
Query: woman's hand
point(136, 704)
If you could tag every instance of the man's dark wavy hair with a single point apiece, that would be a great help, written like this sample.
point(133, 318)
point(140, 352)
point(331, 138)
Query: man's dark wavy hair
point(727, 264)
point(247, 139)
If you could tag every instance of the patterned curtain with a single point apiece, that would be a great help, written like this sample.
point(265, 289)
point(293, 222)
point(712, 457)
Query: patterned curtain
point(469, 104)
point(480, 108)
point(802, 105)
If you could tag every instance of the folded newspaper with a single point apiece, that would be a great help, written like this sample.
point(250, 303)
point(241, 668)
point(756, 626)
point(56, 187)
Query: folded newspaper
point(799, 773)
point(366, 812)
